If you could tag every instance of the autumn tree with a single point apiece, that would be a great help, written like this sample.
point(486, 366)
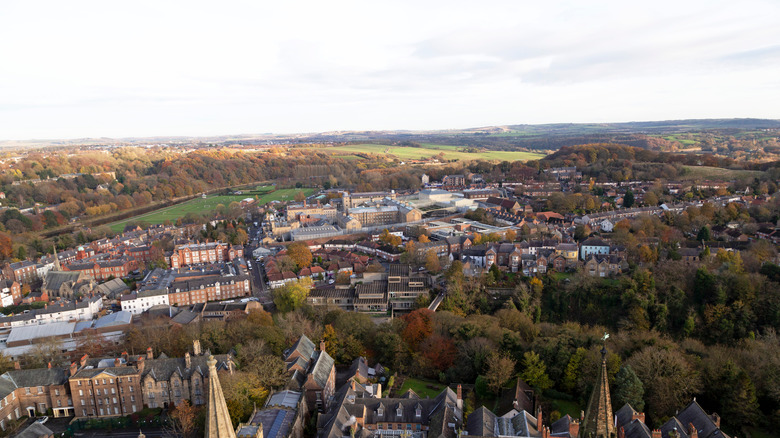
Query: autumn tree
point(668, 379)
point(243, 391)
point(292, 295)
point(299, 196)
point(432, 262)
point(184, 420)
point(419, 325)
point(300, 253)
point(6, 246)
point(499, 369)
point(423, 239)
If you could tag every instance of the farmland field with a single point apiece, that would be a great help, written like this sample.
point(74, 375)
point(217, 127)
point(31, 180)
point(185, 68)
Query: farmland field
point(716, 173)
point(207, 205)
point(428, 150)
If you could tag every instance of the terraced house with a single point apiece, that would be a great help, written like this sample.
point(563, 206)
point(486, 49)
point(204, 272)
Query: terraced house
point(32, 393)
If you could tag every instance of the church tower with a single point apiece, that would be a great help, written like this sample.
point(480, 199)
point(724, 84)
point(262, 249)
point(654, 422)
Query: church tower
point(598, 421)
point(57, 266)
point(218, 424)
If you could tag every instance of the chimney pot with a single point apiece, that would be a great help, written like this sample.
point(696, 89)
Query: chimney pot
point(49, 364)
point(656, 433)
point(149, 353)
point(17, 365)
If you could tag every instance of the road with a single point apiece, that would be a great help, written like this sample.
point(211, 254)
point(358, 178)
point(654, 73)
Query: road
point(259, 288)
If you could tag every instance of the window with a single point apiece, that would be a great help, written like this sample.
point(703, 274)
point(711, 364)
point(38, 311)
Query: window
point(79, 382)
point(111, 381)
point(399, 411)
point(59, 403)
point(113, 391)
point(119, 380)
point(56, 392)
point(81, 393)
point(131, 389)
point(27, 390)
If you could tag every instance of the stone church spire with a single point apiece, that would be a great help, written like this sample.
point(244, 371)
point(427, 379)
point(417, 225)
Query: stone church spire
point(218, 424)
point(598, 421)
point(57, 266)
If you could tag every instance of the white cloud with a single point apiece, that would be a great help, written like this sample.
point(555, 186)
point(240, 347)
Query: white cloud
point(96, 68)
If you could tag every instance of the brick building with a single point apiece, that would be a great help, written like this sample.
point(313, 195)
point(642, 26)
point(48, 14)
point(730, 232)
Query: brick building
point(210, 252)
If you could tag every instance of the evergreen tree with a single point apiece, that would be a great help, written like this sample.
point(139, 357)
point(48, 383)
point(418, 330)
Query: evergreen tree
point(628, 200)
point(704, 234)
point(628, 389)
point(535, 371)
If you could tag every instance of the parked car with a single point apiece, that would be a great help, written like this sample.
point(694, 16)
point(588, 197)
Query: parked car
point(42, 420)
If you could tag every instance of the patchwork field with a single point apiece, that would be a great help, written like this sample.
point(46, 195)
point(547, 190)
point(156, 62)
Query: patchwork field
point(716, 173)
point(428, 150)
point(207, 205)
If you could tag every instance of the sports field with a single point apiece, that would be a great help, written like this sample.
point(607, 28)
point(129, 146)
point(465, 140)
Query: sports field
point(428, 150)
point(207, 205)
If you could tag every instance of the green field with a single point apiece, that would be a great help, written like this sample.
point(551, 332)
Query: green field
point(428, 150)
point(421, 388)
point(207, 205)
point(716, 173)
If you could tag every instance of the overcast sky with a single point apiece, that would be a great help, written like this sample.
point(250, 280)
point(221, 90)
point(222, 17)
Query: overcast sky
point(71, 69)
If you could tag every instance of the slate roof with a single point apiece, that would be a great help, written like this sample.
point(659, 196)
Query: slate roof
point(35, 430)
point(481, 423)
point(438, 413)
point(322, 368)
point(304, 346)
point(55, 279)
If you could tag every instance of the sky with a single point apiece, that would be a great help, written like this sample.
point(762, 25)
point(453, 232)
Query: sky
point(193, 68)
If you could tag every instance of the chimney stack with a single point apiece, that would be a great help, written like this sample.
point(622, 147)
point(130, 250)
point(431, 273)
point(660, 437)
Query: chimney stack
point(83, 361)
point(539, 416)
point(322, 344)
point(140, 364)
point(117, 362)
point(187, 360)
point(73, 368)
point(149, 353)
point(196, 347)
point(17, 365)
point(715, 419)
point(692, 432)
point(460, 397)
point(656, 433)
point(638, 416)
point(49, 365)
point(124, 356)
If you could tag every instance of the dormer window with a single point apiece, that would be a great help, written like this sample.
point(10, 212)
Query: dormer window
point(399, 412)
point(418, 412)
point(380, 411)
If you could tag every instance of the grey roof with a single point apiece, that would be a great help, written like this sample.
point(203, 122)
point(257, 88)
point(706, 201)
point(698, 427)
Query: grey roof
point(35, 430)
point(694, 414)
point(287, 399)
point(438, 413)
point(55, 279)
point(113, 288)
point(322, 368)
point(30, 332)
point(481, 423)
point(304, 346)
point(116, 318)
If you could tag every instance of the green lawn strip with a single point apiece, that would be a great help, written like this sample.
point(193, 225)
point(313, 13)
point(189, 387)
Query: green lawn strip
point(423, 388)
point(566, 407)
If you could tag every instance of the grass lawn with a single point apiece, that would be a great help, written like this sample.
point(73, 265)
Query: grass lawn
point(197, 205)
point(284, 195)
point(429, 150)
point(566, 407)
point(200, 205)
point(421, 387)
